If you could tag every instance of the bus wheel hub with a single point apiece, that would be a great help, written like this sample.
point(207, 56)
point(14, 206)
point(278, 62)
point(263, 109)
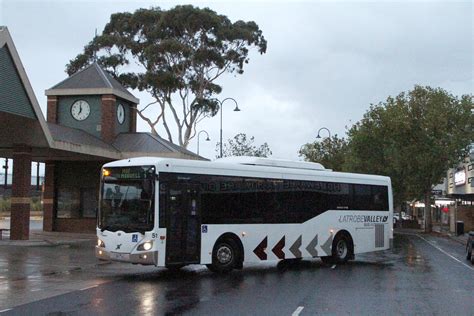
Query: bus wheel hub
point(224, 254)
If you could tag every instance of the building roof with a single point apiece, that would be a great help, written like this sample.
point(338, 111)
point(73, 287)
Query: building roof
point(78, 137)
point(92, 80)
point(147, 144)
point(54, 142)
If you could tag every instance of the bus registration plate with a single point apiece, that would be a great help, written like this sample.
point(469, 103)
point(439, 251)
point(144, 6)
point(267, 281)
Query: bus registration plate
point(119, 256)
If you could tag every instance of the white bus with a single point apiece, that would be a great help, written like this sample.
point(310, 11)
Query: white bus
point(174, 212)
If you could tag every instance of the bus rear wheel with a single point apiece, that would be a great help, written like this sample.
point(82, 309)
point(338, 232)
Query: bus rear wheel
point(342, 250)
point(224, 256)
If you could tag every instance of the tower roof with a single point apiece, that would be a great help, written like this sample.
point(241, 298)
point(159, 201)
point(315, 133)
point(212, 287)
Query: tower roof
point(91, 80)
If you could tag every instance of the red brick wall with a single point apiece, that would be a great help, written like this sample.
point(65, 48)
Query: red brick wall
point(466, 214)
point(48, 198)
point(52, 109)
point(20, 207)
point(75, 225)
point(108, 118)
point(133, 118)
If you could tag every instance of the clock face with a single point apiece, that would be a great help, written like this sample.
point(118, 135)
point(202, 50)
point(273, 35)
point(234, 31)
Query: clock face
point(120, 113)
point(80, 110)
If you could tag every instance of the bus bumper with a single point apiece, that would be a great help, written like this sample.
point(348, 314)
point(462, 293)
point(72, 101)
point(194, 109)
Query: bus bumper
point(144, 258)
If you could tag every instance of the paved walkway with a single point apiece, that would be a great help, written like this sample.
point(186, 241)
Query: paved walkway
point(40, 238)
point(444, 231)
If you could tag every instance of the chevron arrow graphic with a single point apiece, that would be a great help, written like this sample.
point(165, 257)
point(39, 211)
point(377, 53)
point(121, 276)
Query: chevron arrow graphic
point(326, 247)
point(295, 248)
point(260, 249)
point(278, 249)
point(311, 248)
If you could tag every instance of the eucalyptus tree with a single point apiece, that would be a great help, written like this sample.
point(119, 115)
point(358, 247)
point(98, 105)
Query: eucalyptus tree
point(181, 53)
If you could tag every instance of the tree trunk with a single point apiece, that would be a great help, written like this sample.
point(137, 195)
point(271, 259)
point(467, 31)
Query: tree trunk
point(428, 226)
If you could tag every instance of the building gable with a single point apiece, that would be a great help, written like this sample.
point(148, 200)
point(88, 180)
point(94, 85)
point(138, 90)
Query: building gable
point(13, 97)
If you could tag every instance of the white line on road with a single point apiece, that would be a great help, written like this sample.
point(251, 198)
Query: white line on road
point(447, 254)
point(5, 310)
point(89, 287)
point(297, 311)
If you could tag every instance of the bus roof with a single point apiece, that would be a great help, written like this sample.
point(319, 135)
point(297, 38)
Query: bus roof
point(250, 167)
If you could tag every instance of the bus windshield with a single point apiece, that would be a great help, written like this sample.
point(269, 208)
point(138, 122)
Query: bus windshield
point(127, 199)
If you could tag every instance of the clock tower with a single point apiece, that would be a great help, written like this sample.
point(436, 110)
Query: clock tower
point(93, 101)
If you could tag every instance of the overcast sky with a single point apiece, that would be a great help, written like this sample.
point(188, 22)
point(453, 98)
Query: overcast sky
point(326, 61)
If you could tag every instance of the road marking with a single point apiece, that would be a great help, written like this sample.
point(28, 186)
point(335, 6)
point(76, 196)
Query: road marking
point(447, 254)
point(5, 310)
point(297, 311)
point(89, 287)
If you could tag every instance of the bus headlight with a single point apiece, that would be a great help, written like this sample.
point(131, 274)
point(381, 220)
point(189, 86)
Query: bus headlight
point(145, 246)
point(100, 243)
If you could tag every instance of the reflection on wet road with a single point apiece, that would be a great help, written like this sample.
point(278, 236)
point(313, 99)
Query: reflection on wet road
point(412, 278)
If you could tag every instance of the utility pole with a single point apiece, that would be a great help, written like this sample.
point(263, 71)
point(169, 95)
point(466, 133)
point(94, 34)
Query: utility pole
point(37, 175)
point(6, 172)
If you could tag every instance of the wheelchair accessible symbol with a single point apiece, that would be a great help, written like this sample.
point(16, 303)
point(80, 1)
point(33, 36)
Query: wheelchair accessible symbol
point(134, 238)
point(204, 229)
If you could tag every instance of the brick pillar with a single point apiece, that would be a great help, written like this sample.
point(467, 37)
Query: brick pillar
point(108, 118)
point(52, 109)
point(48, 197)
point(20, 201)
point(133, 118)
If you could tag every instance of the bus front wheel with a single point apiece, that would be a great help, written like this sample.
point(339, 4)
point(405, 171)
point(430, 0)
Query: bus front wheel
point(224, 256)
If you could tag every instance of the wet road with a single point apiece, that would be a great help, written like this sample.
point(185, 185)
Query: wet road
point(420, 275)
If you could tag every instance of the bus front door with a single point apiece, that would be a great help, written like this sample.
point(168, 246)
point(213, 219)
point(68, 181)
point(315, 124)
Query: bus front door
point(183, 244)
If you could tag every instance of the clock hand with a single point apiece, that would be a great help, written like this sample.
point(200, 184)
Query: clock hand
point(80, 109)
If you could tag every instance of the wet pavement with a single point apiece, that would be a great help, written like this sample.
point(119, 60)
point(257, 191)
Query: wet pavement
point(422, 274)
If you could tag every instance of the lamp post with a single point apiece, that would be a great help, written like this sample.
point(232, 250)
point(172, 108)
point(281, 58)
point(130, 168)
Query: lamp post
point(220, 108)
point(207, 138)
point(329, 132)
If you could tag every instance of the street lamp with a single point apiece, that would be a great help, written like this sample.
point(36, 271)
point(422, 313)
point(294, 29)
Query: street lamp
point(220, 108)
point(207, 138)
point(329, 132)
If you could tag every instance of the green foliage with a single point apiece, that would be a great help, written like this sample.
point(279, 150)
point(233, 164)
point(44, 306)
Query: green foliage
point(181, 51)
point(330, 152)
point(5, 204)
point(413, 138)
point(241, 146)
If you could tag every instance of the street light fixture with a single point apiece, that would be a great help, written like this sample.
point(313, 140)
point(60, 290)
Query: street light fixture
point(207, 138)
point(236, 109)
point(329, 132)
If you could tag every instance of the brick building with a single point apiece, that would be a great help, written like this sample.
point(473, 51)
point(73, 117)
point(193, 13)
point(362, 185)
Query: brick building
point(91, 119)
point(460, 187)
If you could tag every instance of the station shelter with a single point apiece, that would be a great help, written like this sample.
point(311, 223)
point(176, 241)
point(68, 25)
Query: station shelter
point(91, 120)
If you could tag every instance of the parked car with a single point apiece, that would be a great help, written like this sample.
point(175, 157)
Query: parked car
point(470, 247)
point(396, 218)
